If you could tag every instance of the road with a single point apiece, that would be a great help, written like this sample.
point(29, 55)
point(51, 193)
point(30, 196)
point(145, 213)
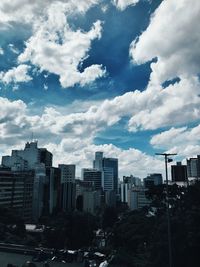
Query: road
point(19, 259)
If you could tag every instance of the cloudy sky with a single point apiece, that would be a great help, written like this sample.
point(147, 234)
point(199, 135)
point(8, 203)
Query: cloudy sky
point(118, 76)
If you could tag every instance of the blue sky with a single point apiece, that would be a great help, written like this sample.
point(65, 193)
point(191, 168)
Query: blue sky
point(120, 76)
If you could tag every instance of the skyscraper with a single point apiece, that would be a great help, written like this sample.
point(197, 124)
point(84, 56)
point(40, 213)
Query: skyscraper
point(94, 176)
point(97, 163)
point(113, 164)
point(104, 164)
point(68, 186)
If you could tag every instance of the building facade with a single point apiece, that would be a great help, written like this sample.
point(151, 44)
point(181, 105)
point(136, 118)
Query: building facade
point(16, 192)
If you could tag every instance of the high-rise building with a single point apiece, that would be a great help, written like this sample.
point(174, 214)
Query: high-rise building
point(179, 173)
point(113, 164)
point(192, 167)
point(68, 172)
point(16, 191)
point(101, 163)
point(27, 158)
point(39, 191)
point(97, 163)
point(94, 176)
point(107, 179)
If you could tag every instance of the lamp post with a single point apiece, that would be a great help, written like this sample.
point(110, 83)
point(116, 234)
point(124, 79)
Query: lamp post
point(166, 155)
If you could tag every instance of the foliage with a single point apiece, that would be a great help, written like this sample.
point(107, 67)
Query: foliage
point(140, 237)
point(71, 230)
point(11, 225)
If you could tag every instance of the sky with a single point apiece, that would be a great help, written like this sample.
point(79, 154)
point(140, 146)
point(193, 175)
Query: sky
point(118, 76)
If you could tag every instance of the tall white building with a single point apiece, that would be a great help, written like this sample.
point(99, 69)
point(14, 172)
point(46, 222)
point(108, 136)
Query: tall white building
point(27, 158)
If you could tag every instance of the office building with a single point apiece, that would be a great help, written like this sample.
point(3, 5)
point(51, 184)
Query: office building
point(153, 179)
point(97, 163)
point(137, 198)
point(101, 163)
point(91, 201)
point(192, 167)
point(94, 176)
point(16, 192)
point(112, 163)
point(27, 158)
point(179, 173)
point(68, 172)
point(107, 179)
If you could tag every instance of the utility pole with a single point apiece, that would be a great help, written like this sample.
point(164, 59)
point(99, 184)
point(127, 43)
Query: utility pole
point(166, 155)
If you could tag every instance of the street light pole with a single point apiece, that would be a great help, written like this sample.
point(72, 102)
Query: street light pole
point(166, 155)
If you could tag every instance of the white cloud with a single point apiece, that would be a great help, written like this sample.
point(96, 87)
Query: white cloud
point(123, 4)
point(26, 11)
point(177, 104)
point(1, 51)
point(74, 144)
point(184, 141)
point(82, 154)
point(56, 48)
point(169, 138)
point(173, 38)
point(16, 75)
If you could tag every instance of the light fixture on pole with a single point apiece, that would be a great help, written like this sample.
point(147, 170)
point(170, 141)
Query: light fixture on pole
point(166, 155)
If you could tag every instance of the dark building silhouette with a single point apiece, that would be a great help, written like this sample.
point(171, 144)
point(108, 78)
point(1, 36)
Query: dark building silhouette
point(16, 191)
point(179, 173)
point(94, 176)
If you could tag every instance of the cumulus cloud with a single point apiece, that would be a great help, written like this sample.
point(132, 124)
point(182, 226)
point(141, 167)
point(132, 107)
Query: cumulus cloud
point(123, 4)
point(184, 141)
point(55, 48)
point(173, 38)
point(82, 154)
point(72, 144)
point(16, 75)
point(177, 104)
point(25, 11)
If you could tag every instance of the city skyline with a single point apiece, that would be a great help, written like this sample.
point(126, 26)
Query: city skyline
point(121, 77)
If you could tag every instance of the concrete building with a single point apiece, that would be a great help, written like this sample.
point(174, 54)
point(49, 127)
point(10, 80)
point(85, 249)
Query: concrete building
point(91, 201)
point(101, 163)
point(97, 163)
point(94, 176)
point(39, 190)
point(27, 158)
point(192, 167)
point(107, 179)
point(137, 198)
point(153, 179)
point(179, 173)
point(16, 191)
point(113, 164)
point(68, 172)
